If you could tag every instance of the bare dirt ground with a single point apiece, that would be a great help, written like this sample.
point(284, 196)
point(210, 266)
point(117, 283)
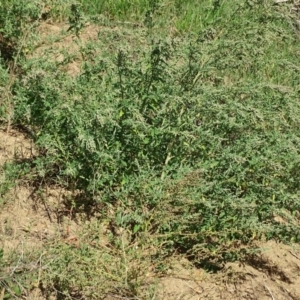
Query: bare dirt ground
point(274, 274)
point(26, 222)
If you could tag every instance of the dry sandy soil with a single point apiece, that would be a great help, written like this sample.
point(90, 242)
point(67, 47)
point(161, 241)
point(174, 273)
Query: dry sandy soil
point(274, 274)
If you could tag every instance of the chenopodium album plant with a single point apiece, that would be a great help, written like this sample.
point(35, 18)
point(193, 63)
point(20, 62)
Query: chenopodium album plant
point(171, 135)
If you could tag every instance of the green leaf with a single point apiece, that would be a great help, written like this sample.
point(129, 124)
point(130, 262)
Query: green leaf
point(136, 228)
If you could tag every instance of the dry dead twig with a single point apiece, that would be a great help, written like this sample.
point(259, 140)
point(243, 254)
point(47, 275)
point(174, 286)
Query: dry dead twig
point(269, 291)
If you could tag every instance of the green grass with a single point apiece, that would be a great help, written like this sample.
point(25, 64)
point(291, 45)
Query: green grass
point(186, 139)
point(123, 9)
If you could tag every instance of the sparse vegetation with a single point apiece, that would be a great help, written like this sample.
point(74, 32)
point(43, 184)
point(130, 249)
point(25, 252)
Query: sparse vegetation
point(180, 133)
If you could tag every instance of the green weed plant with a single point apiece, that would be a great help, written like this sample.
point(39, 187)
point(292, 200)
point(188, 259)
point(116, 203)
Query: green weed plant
point(192, 139)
